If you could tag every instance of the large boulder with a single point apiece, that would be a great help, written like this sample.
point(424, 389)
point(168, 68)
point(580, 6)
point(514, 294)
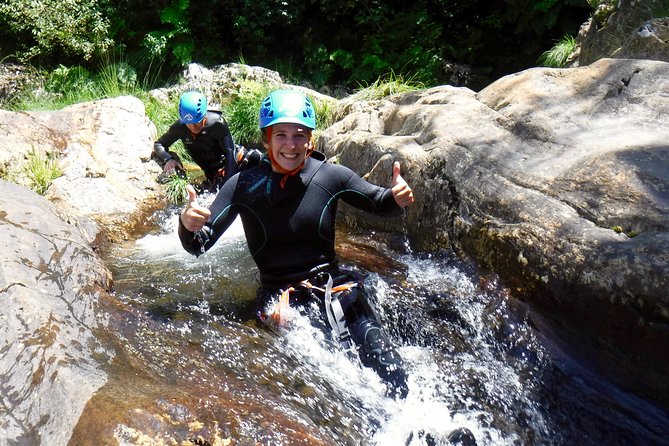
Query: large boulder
point(224, 83)
point(632, 29)
point(103, 149)
point(557, 180)
point(50, 284)
point(220, 83)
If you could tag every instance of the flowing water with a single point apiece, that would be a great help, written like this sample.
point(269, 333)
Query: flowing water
point(473, 359)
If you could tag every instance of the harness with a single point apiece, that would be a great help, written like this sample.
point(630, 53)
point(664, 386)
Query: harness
point(333, 308)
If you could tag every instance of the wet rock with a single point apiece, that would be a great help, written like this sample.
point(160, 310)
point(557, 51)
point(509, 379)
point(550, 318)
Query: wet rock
point(50, 282)
point(557, 180)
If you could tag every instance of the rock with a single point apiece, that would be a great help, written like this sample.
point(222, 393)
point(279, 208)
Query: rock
point(555, 179)
point(104, 151)
point(14, 79)
point(629, 29)
point(223, 83)
point(50, 283)
point(220, 83)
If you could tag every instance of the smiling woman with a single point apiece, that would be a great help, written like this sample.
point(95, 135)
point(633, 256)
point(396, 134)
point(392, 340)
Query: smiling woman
point(286, 121)
point(288, 145)
point(288, 206)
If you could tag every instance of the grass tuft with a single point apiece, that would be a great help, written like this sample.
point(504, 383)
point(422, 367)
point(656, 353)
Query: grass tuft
point(387, 85)
point(40, 171)
point(176, 189)
point(558, 55)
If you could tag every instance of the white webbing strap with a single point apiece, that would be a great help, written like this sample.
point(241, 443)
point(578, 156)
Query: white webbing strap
point(335, 315)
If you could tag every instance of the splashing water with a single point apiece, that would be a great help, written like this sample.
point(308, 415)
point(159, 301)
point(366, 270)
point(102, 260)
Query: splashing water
point(405, 232)
point(472, 358)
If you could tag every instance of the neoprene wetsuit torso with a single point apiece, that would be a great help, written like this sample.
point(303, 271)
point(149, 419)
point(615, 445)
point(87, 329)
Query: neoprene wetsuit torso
point(290, 232)
point(212, 149)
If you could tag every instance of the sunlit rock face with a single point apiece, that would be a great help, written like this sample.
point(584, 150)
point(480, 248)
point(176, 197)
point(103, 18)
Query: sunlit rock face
point(556, 179)
point(103, 149)
point(50, 283)
point(624, 29)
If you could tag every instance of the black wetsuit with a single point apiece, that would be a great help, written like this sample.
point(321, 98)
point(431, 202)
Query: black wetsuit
point(212, 149)
point(290, 233)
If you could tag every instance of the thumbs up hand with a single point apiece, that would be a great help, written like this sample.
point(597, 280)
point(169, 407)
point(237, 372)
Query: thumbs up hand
point(401, 191)
point(194, 216)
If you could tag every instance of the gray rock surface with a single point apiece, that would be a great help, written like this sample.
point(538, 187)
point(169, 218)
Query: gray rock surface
point(558, 180)
point(50, 283)
point(634, 29)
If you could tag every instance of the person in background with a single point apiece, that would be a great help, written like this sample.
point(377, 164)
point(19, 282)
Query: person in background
point(288, 206)
point(207, 140)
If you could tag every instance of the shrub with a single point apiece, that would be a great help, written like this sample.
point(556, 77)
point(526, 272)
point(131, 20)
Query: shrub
point(387, 85)
point(73, 27)
point(559, 54)
point(242, 112)
point(41, 170)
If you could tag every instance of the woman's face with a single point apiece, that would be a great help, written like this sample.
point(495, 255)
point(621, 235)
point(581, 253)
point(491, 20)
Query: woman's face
point(289, 144)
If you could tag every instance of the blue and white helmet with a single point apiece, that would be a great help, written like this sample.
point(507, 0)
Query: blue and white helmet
point(192, 107)
point(287, 107)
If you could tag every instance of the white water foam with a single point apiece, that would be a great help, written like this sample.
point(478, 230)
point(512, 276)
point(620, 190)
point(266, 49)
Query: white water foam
point(410, 421)
point(168, 244)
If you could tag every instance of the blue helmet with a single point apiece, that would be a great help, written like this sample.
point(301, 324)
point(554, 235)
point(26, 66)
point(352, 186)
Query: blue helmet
point(287, 106)
point(192, 107)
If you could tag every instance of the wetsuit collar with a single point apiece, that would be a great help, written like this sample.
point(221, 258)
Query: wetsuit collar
point(297, 183)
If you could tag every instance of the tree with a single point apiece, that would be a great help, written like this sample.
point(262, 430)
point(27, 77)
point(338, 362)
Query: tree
point(78, 28)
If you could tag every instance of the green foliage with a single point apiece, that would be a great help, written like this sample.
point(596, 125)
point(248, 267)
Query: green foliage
point(324, 114)
point(559, 54)
point(242, 113)
point(163, 116)
point(325, 42)
point(70, 85)
point(117, 79)
point(659, 9)
point(620, 230)
point(388, 85)
point(40, 170)
point(176, 189)
point(177, 38)
point(73, 27)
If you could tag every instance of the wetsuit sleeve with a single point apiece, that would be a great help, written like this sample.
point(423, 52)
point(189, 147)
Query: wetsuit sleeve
point(160, 152)
point(366, 196)
point(223, 214)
